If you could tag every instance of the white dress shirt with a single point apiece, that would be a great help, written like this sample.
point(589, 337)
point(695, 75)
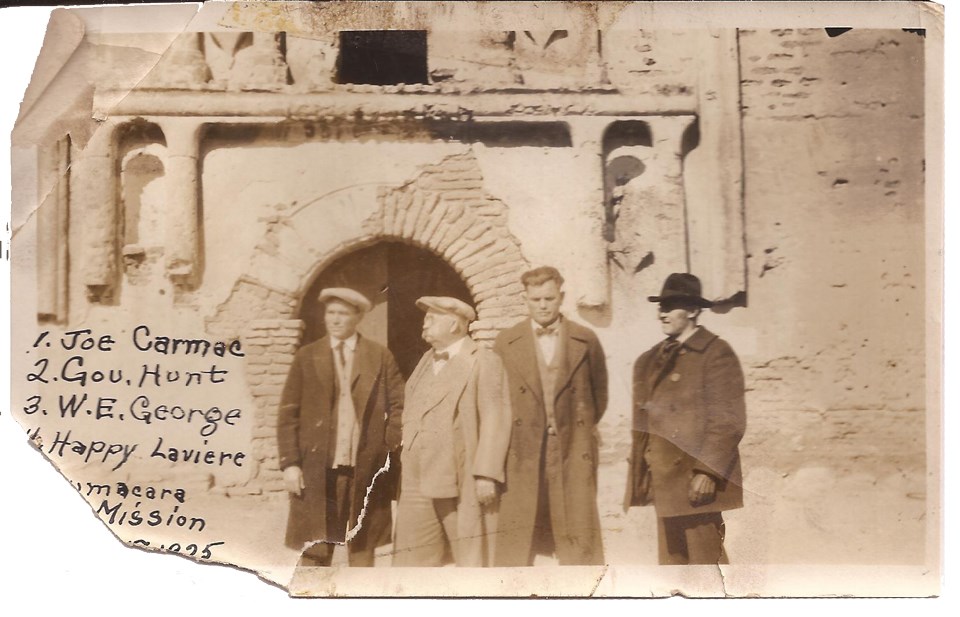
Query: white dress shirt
point(451, 350)
point(348, 437)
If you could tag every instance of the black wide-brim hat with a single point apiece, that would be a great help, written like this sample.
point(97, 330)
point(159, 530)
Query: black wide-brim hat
point(682, 286)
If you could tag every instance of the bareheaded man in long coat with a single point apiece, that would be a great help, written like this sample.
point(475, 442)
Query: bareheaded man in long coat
point(456, 427)
point(689, 416)
point(340, 415)
point(558, 390)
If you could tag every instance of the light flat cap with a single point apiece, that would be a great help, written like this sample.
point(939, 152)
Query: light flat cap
point(443, 304)
point(351, 297)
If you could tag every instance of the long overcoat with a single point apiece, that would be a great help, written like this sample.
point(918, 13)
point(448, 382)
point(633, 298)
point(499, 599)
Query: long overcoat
point(580, 401)
point(689, 416)
point(306, 436)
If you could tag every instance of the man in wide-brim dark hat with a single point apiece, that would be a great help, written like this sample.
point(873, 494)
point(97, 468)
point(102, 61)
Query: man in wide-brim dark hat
point(688, 419)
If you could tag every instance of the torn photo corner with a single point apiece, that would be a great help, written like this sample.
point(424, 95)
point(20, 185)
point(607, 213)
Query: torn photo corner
point(483, 299)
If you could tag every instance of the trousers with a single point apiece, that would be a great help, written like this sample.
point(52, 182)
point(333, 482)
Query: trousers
point(339, 496)
point(689, 540)
point(427, 532)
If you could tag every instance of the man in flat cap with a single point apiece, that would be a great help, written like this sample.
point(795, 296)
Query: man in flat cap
point(688, 418)
point(456, 427)
point(339, 417)
point(557, 377)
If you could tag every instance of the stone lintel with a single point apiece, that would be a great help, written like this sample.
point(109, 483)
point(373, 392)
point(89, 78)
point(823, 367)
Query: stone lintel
point(338, 105)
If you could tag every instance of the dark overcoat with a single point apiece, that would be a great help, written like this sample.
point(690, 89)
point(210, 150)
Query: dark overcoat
point(688, 416)
point(580, 401)
point(306, 436)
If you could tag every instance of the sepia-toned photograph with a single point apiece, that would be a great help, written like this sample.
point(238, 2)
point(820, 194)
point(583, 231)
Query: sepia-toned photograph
point(491, 299)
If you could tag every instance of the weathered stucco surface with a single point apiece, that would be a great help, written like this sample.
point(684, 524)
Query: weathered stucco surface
point(827, 282)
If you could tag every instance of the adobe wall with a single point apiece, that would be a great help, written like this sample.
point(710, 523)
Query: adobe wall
point(830, 251)
point(834, 202)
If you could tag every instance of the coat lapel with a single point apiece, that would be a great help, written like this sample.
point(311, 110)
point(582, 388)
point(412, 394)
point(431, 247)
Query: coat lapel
point(366, 368)
point(323, 363)
point(454, 375)
point(523, 357)
point(574, 349)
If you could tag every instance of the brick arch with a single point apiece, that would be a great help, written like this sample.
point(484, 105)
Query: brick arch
point(444, 210)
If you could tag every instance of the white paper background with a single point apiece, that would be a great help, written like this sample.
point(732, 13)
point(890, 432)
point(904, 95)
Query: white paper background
point(56, 556)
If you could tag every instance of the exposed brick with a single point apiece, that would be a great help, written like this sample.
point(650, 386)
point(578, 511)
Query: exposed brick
point(401, 208)
point(498, 276)
point(286, 348)
point(432, 223)
point(453, 232)
point(431, 204)
point(470, 247)
point(460, 195)
point(418, 203)
point(266, 390)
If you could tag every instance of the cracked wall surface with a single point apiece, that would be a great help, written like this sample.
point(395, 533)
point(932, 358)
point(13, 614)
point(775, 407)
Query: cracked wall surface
point(824, 268)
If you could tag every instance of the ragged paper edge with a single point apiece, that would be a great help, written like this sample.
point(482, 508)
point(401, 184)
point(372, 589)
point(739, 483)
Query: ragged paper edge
point(936, 27)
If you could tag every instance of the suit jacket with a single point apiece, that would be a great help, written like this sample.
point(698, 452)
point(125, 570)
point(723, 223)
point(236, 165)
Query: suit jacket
point(474, 390)
point(580, 401)
point(306, 426)
point(689, 416)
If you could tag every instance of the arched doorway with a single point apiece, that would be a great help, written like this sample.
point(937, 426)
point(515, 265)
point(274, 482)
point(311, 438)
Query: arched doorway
point(392, 275)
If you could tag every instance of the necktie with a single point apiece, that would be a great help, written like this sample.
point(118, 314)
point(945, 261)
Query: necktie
point(546, 331)
point(443, 356)
point(667, 351)
point(343, 357)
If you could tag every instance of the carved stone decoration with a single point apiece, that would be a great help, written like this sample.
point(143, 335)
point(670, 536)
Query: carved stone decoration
point(182, 221)
point(587, 136)
point(52, 232)
point(312, 62)
point(538, 56)
point(93, 194)
point(650, 231)
point(183, 66)
point(262, 65)
point(715, 199)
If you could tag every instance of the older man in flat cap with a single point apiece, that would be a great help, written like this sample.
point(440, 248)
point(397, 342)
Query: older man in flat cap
point(688, 418)
point(339, 417)
point(456, 430)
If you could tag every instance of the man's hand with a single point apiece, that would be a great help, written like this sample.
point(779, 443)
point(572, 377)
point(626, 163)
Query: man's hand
point(486, 490)
point(293, 480)
point(703, 489)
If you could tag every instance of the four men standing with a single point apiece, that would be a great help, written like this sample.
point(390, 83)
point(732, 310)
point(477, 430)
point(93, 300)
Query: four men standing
point(500, 447)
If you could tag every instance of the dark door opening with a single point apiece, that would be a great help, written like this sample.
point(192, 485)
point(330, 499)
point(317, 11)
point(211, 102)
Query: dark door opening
point(392, 275)
point(382, 57)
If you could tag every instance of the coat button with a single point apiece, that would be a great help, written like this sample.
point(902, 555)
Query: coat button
point(675, 377)
point(580, 422)
point(518, 421)
point(586, 456)
point(523, 389)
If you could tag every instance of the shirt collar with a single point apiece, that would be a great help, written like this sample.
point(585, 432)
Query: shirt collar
point(453, 348)
point(350, 343)
point(683, 337)
point(554, 327)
